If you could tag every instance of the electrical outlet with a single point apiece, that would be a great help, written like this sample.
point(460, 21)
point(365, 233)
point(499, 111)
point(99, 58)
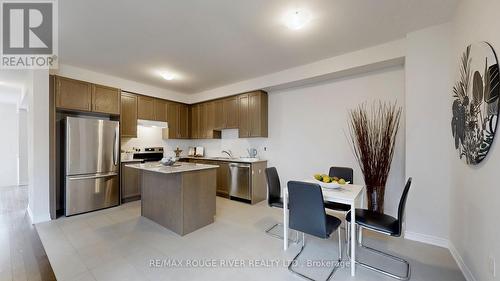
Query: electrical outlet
point(492, 266)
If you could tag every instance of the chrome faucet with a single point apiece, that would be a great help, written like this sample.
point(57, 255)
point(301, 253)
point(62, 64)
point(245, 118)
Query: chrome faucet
point(228, 152)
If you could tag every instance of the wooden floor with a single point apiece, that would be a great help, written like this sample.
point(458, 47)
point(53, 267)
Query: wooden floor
point(22, 256)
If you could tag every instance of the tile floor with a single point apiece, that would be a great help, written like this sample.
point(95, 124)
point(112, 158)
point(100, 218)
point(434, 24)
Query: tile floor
point(118, 244)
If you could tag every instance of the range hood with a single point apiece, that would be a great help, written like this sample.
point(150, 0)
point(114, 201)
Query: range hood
point(150, 123)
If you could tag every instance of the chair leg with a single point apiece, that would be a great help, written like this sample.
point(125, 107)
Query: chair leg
point(373, 268)
point(290, 266)
point(268, 232)
point(395, 258)
point(340, 245)
point(348, 239)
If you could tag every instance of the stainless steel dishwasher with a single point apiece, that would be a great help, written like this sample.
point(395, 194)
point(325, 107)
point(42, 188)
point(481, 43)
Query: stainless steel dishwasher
point(240, 181)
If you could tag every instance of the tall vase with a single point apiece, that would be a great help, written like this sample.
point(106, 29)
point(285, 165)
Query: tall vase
point(375, 196)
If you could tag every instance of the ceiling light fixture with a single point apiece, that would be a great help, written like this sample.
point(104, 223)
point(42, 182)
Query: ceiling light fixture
point(296, 19)
point(168, 76)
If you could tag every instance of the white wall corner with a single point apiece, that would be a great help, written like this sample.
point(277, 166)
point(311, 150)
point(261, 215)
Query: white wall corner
point(30, 213)
point(460, 262)
point(427, 239)
point(39, 218)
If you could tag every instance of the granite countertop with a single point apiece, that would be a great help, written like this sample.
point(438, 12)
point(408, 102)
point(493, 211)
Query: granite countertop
point(178, 167)
point(226, 159)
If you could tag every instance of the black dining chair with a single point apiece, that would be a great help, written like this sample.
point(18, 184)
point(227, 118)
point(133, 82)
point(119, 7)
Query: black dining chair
point(274, 199)
point(307, 215)
point(387, 225)
point(344, 173)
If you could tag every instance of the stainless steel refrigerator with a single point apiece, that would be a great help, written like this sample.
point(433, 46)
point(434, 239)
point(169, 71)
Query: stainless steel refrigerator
point(91, 164)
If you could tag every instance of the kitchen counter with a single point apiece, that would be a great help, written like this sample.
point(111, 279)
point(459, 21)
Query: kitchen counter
point(131, 160)
point(180, 198)
point(179, 167)
point(227, 159)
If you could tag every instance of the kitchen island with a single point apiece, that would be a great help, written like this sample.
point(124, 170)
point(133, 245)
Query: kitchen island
point(180, 198)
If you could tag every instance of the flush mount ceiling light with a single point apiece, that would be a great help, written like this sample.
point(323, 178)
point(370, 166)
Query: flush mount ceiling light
point(167, 76)
point(296, 19)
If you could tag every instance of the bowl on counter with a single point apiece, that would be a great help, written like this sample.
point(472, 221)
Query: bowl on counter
point(168, 161)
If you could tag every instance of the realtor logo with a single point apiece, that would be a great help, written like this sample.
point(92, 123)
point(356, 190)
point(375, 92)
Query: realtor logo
point(29, 34)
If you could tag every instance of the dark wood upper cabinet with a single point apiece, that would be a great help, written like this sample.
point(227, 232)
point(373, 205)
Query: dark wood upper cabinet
point(195, 121)
point(244, 118)
point(230, 111)
point(160, 110)
point(257, 112)
point(173, 120)
point(253, 114)
point(210, 123)
point(202, 126)
point(219, 115)
point(73, 94)
point(184, 121)
point(145, 108)
point(128, 116)
point(105, 99)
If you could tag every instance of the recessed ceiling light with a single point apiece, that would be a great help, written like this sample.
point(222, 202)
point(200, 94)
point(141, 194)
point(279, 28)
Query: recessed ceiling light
point(168, 76)
point(296, 19)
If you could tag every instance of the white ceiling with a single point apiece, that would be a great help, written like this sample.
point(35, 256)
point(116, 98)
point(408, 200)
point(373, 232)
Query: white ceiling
point(218, 42)
point(11, 85)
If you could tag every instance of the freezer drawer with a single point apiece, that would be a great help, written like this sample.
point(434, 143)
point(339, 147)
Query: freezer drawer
point(86, 193)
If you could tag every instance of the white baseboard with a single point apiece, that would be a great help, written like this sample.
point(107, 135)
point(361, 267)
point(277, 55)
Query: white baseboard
point(427, 239)
point(30, 213)
point(445, 243)
point(37, 219)
point(461, 264)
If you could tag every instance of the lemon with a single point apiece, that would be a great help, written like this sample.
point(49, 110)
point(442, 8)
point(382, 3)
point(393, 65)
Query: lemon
point(318, 177)
point(342, 181)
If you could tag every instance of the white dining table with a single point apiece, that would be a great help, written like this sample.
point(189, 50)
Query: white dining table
point(349, 194)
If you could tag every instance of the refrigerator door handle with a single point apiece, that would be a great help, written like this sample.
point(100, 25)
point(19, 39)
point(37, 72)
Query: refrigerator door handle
point(115, 147)
point(92, 176)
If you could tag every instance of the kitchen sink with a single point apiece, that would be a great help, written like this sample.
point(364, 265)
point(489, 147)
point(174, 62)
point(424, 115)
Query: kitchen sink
point(223, 158)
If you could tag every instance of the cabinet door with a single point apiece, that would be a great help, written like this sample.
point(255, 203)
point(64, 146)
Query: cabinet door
point(195, 120)
point(210, 107)
point(202, 132)
point(73, 94)
point(184, 121)
point(173, 120)
point(145, 108)
point(160, 110)
point(128, 116)
point(105, 99)
point(258, 114)
point(231, 116)
point(222, 178)
point(219, 115)
point(244, 121)
point(130, 183)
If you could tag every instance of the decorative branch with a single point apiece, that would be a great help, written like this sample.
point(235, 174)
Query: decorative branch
point(373, 136)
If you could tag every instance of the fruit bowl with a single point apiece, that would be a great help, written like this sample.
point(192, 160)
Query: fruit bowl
point(330, 184)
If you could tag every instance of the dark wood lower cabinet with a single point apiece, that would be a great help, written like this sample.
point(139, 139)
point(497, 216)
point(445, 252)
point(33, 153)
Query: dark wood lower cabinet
point(130, 184)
